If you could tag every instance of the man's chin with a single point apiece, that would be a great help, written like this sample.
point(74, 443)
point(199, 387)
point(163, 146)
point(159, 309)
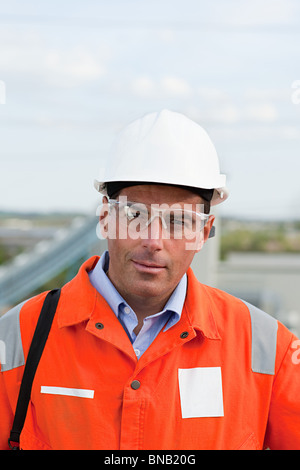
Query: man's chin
point(148, 288)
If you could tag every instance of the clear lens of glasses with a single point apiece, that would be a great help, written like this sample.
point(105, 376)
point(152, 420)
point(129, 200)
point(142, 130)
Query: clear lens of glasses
point(176, 221)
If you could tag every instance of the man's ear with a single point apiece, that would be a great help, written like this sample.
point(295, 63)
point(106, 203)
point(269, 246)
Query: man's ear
point(208, 227)
point(201, 237)
point(103, 215)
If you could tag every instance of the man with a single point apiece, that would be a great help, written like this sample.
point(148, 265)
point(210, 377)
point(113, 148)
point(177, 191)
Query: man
point(140, 354)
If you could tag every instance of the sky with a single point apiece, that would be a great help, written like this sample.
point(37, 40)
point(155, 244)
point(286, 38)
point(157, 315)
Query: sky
point(73, 73)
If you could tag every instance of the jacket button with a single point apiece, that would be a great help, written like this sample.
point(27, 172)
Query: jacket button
point(135, 384)
point(99, 326)
point(184, 335)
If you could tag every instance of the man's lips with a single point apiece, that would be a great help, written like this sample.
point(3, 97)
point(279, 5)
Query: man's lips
point(147, 266)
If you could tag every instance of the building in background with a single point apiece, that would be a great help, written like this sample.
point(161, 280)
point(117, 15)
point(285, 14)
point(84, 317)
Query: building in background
point(270, 281)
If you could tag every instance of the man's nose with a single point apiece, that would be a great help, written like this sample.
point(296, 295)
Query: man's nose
point(155, 233)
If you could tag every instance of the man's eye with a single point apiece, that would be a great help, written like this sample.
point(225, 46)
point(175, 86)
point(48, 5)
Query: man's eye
point(131, 213)
point(177, 220)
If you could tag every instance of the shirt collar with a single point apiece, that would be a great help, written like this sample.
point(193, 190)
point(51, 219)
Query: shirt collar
point(104, 286)
point(176, 302)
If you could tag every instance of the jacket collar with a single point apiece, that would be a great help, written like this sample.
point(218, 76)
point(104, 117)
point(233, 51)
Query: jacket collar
point(199, 307)
point(80, 299)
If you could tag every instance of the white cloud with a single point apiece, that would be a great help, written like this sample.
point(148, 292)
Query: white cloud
point(143, 86)
point(212, 104)
point(28, 54)
point(72, 67)
point(175, 86)
point(269, 94)
point(224, 113)
point(166, 86)
point(257, 12)
point(212, 94)
point(290, 132)
point(264, 112)
point(227, 114)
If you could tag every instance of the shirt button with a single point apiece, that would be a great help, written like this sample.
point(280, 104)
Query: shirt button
point(135, 384)
point(127, 310)
point(137, 352)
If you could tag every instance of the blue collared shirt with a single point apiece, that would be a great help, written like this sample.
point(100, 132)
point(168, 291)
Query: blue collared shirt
point(127, 317)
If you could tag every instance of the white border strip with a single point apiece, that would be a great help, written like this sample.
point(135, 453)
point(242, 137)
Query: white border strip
point(70, 392)
point(264, 340)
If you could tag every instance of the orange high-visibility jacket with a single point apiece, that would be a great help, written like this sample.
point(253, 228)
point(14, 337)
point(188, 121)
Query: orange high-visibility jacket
point(226, 376)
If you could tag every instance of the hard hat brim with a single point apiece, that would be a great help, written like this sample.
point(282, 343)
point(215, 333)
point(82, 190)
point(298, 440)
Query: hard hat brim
point(220, 194)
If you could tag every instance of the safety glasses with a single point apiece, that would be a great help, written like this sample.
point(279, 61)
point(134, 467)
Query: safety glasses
point(176, 221)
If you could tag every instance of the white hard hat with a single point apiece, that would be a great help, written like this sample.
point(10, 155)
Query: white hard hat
point(167, 148)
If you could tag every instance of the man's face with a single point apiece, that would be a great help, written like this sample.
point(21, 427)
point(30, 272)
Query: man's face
point(152, 265)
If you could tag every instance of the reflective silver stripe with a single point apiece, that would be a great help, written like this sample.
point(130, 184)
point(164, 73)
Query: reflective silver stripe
point(264, 340)
point(12, 354)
